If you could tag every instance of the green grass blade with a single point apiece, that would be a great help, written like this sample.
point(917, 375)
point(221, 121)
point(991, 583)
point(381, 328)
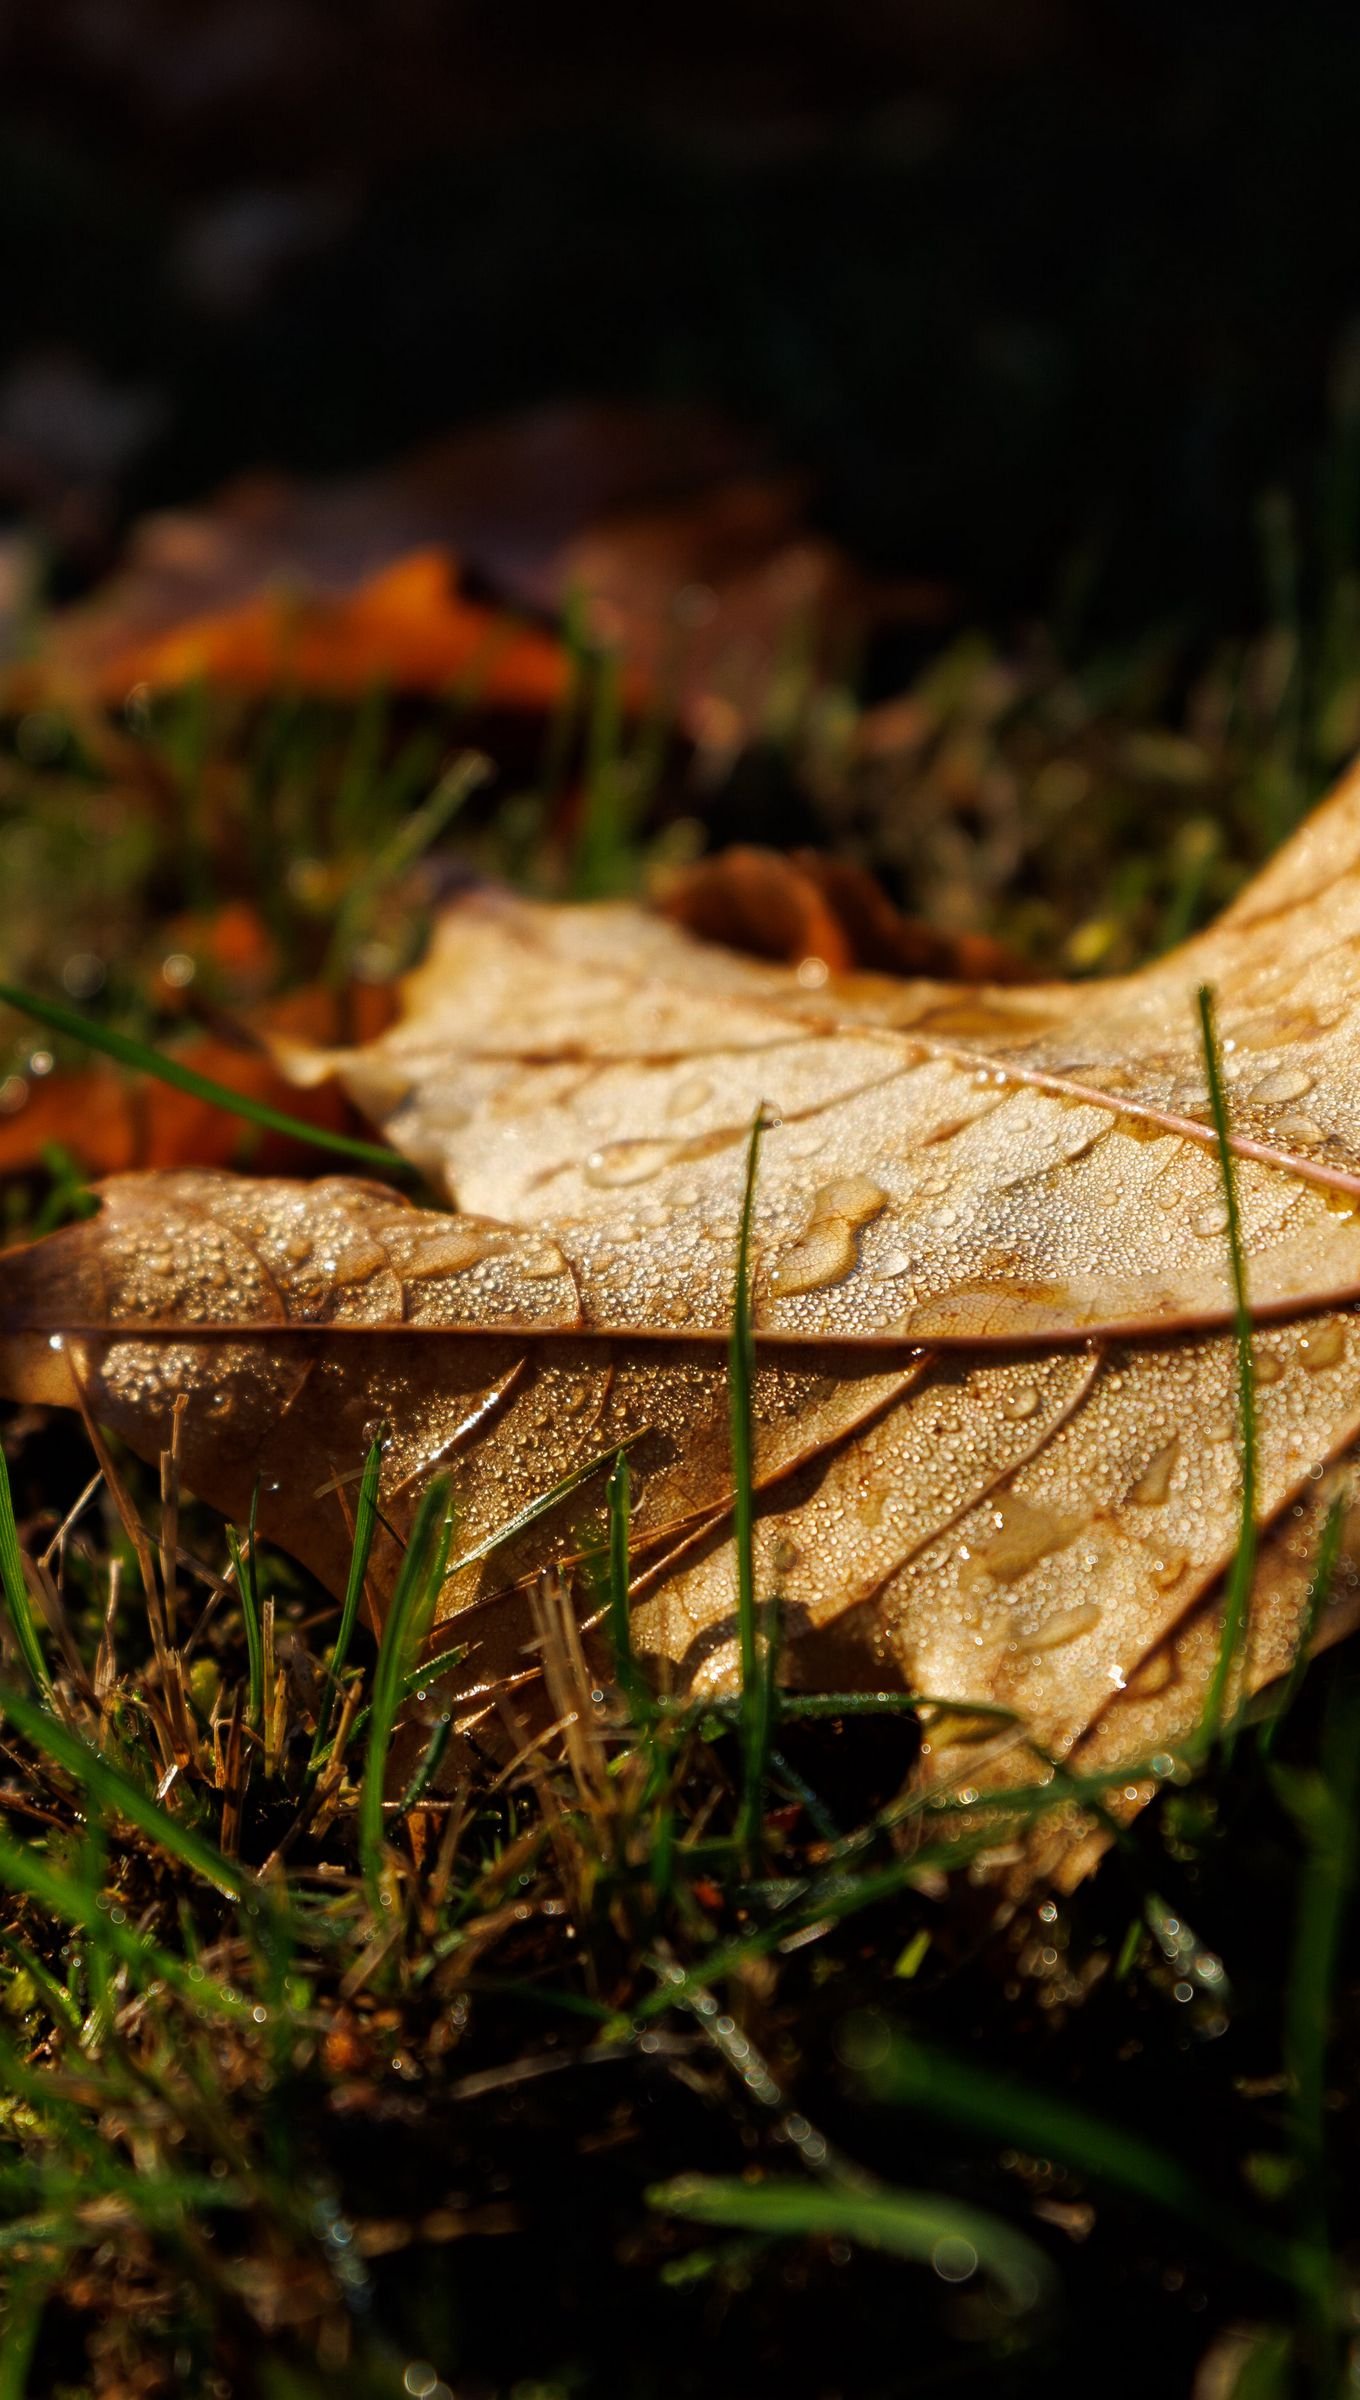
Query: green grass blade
point(921, 2226)
point(146, 1061)
point(741, 1366)
point(422, 1572)
point(247, 1587)
point(1242, 1573)
point(1023, 2116)
point(29, 2290)
point(361, 772)
point(414, 835)
point(55, 1997)
point(115, 1793)
point(794, 1707)
point(427, 1767)
point(416, 1679)
point(534, 1509)
point(17, 1597)
point(603, 862)
point(365, 1526)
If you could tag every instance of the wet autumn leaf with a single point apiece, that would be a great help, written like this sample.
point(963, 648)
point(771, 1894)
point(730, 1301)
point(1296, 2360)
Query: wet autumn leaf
point(997, 1443)
point(944, 1165)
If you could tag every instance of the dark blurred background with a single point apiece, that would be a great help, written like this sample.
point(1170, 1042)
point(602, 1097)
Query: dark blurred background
point(1045, 297)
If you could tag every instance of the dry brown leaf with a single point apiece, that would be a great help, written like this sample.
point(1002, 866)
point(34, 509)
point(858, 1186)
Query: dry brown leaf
point(997, 1449)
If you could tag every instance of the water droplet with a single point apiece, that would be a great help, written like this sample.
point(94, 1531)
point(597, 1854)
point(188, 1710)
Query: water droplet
point(1025, 1534)
point(853, 1197)
point(1021, 1402)
point(547, 1261)
point(896, 1262)
point(689, 1094)
point(954, 2259)
point(1212, 1220)
point(1054, 1633)
point(448, 1253)
point(785, 1554)
point(627, 1162)
point(359, 1262)
point(825, 1254)
point(1297, 1128)
point(827, 1249)
point(1269, 1366)
point(1287, 1083)
point(1322, 1346)
point(1154, 1483)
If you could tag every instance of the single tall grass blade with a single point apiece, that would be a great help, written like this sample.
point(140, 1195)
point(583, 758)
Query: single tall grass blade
point(413, 1602)
point(365, 1526)
point(1242, 1572)
point(922, 2226)
point(741, 1364)
point(144, 1060)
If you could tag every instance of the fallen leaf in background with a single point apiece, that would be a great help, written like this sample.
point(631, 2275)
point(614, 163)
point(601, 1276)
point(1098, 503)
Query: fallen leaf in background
point(803, 904)
point(998, 1447)
point(721, 599)
point(619, 509)
point(407, 628)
